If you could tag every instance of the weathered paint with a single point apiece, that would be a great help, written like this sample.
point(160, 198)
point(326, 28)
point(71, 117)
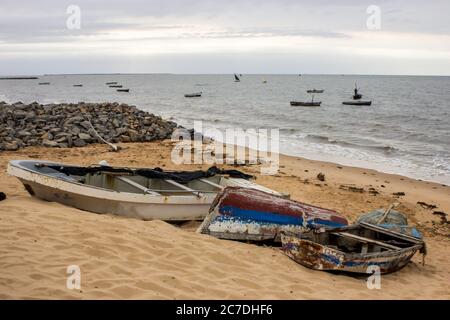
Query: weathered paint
point(245, 214)
point(321, 256)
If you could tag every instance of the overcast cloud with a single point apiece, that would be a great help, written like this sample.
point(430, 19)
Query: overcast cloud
point(211, 36)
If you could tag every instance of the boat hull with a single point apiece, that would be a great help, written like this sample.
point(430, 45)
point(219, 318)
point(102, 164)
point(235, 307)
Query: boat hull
point(357, 103)
point(323, 257)
point(66, 190)
point(314, 91)
point(305, 104)
point(245, 214)
point(147, 210)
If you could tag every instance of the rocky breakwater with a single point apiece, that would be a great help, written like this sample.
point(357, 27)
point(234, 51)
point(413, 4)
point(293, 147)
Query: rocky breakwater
point(69, 125)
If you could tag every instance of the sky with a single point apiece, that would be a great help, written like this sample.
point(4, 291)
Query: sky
point(216, 36)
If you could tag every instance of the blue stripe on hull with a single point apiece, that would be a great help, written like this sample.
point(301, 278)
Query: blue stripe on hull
point(269, 217)
point(258, 216)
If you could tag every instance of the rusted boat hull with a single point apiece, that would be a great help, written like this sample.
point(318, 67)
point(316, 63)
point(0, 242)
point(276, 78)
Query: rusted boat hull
point(312, 254)
point(245, 214)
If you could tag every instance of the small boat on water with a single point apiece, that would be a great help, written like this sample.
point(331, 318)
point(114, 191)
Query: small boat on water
point(306, 104)
point(116, 86)
point(255, 215)
point(123, 90)
point(109, 83)
point(315, 91)
point(132, 192)
point(352, 248)
point(193, 95)
point(356, 95)
point(77, 85)
point(236, 78)
point(357, 103)
point(43, 83)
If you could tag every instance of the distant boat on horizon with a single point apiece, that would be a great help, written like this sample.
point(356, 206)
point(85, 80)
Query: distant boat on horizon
point(315, 91)
point(43, 83)
point(236, 78)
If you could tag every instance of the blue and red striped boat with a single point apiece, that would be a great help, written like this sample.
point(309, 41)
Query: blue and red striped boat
point(246, 214)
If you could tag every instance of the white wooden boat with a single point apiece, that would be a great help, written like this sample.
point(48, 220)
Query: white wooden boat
point(132, 192)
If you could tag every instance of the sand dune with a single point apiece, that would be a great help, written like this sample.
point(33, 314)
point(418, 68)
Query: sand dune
point(123, 258)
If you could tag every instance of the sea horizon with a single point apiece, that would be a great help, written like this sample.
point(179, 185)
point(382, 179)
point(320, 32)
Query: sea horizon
point(405, 131)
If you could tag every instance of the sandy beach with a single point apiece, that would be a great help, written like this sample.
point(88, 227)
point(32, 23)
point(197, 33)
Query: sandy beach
point(124, 258)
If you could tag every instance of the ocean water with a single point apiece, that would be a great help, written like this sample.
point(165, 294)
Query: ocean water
point(405, 131)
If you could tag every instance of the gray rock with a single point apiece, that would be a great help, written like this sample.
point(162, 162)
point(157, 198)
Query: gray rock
point(79, 143)
point(12, 146)
point(49, 143)
point(85, 124)
point(85, 136)
point(23, 133)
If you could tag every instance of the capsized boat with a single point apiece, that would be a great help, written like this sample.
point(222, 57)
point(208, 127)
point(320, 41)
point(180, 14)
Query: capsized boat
point(193, 95)
point(306, 103)
point(132, 192)
point(352, 248)
point(247, 214)
point(357, 103)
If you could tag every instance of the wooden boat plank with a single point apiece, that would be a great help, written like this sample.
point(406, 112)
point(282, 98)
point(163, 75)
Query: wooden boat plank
point(218, 186)
point(366, 240)
point(137, 185)
point(179, 185)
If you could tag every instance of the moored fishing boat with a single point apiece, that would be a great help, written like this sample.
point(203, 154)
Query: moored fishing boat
point(315, 91)
point(353, 248)
point(306, 103)
point(357, 103)
point(249, 214)
point(193, 95)
point(133, 192)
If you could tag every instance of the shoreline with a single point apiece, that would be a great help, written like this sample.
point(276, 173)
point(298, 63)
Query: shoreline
point(157, 260)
